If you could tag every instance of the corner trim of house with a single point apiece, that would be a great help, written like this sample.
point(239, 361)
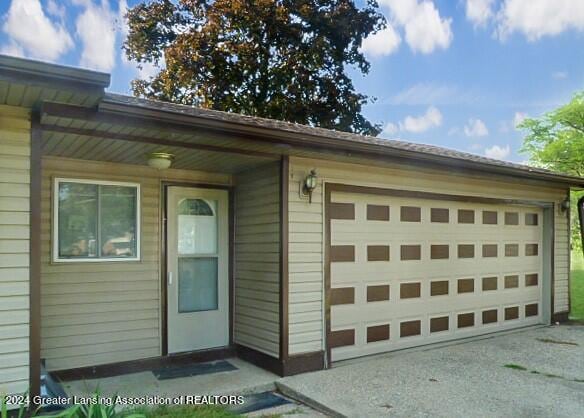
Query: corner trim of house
point(284, 239)
point(135, 366)
point(35, 258)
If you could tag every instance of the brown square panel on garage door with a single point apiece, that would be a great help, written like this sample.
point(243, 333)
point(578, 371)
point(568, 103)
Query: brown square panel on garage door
point(489, 283)
point(511, 250)
point(410, 214)
point(439, 215)
point(378, 253)
point(489, 250)
point(409, 290)
point(410, 328)
point(439, 287)
point(489, 217)
point(466, 216)
point(531, 219)
point(342, 295)
point(465, 320)
point(511, 313)
point(489, 316)
point(531, 279)
point(410, 252)
point(531, 249)
point(342, 211)
point(531, 309)
point(466, 250)
point(439, 252)
point(511, 218)
point(439, 324)
point(342, 338)
point(342, 253)
point(377, 213)
point(378, 293)
point(465, 285)
point(511, 281)
point(377, 333)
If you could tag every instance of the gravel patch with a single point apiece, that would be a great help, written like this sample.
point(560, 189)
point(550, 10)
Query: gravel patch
point(533, 373)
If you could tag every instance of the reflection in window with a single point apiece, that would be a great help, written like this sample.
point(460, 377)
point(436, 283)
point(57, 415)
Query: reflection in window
point(96, 221)
point(197, 226)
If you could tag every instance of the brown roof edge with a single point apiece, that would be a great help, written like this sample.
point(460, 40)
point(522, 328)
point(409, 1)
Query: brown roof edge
point(301, 135)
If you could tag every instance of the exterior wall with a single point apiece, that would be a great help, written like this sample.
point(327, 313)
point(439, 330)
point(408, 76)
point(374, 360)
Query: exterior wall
point(306, 245)
point(102, 312)
point(257, 260)
point(14, 249)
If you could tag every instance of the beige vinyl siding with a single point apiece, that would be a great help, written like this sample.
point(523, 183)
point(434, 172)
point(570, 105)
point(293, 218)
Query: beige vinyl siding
point(561, 262)
point(14, 249)
point(103, 312)
point(306, 230)
point(257, 259)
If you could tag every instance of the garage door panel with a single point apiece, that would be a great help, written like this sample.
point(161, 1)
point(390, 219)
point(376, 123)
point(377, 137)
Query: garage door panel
point(406, 258)
point(343, 316)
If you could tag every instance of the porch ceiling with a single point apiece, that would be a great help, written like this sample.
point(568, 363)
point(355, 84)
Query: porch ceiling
point(87, 140)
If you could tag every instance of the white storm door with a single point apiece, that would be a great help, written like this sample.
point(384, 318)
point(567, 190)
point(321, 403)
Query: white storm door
point(197, 269)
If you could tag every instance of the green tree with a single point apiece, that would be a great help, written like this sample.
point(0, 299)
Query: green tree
point(279, 59)
point(556, 142)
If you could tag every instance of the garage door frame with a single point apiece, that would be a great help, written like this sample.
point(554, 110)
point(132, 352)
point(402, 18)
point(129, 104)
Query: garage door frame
point(547, 250)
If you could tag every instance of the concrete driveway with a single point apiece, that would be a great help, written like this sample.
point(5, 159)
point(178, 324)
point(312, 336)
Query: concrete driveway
point(538, 372)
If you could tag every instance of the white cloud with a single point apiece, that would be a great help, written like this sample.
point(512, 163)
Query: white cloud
point(518, 118)
point(416, 124)
point(479, 11)
point(98, 27)
point(55, 9)
point(538, 18)
point(390, 129)
point(475, 128)
point(385, 42)
point(32, 33)
point(559, 75)
point(431, 93)
point(425, 30)
point(498, 152)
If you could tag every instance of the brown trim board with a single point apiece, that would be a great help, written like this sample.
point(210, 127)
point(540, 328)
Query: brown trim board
point(295, 364)
point(35, 258)
point(284, 239)
point(134, 366)
point(329, 188)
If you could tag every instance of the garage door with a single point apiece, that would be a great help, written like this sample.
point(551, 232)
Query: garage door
point(411, 271)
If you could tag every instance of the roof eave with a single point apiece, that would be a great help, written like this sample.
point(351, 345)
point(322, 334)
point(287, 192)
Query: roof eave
point(320, 141)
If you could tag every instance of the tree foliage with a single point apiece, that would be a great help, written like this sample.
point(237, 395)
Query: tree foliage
point(556, 141)
point(280, 59)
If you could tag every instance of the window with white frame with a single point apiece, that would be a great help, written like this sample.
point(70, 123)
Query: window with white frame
point(96, 221)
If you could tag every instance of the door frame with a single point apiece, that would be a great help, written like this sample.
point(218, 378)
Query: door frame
point(164, 256)
point(548, 225)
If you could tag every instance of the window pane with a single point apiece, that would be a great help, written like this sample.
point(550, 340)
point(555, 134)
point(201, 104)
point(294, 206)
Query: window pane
point(77, 208)
point(117, 221)
point(197, 284)
point(197, 227)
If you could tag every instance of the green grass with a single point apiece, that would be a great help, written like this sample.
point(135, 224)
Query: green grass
point(577, 287)
point(206, 411)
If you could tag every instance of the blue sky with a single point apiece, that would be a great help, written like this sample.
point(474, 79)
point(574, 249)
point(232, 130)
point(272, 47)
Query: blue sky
point(454, 73)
